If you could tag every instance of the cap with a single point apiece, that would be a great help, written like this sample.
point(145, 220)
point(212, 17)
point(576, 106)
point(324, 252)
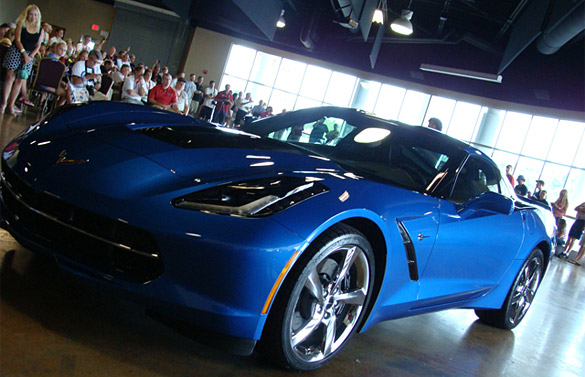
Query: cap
point(540, 181)
point(521, 178)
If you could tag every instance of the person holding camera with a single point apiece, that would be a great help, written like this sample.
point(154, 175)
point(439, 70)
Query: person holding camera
point(87, 74)
point(224, 101)
point(208, 102)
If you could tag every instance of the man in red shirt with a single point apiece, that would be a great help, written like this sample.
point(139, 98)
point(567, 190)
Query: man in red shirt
point(163, 96)
point(224, 100)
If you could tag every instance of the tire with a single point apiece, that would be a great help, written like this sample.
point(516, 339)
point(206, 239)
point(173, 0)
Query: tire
point(322, 302)
point(519, 297)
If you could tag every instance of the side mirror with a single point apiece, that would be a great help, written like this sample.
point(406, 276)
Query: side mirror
point(486, 204)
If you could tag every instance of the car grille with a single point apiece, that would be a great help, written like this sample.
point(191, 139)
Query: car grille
point(111, 247)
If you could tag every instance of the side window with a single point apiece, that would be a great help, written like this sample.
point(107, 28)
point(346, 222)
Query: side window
point(476, 177)
point(326, 130)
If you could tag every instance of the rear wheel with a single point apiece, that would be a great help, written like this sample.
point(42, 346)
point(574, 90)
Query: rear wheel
point(519, 297)
point(322, 301)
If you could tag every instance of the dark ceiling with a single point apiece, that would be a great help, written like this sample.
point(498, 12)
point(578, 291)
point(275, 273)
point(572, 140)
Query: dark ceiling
point(464, 34)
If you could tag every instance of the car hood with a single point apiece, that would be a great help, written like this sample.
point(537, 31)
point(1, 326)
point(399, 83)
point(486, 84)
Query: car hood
point(138, 160)
point(209, 153)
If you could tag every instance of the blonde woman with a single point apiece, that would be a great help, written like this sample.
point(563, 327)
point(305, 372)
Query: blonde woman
point(19, 58)
point(576, 231)
point(559, 207)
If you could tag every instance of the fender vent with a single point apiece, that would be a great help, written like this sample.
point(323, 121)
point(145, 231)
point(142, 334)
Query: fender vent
point(410, 253)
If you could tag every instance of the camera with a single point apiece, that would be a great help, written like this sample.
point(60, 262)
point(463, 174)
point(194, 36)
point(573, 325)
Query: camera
point(90, 90)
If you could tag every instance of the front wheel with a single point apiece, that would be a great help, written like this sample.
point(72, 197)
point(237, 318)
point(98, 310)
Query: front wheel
point(322, 301)
point(519, 297)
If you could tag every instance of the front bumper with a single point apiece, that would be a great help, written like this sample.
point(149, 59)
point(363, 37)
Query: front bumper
point(215, 280)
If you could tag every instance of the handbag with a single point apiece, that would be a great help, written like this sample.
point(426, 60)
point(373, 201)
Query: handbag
point(22, 73)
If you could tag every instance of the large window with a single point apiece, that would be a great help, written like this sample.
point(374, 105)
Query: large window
point(441, 108)
point(537, 147)
point(414, 107)
point(389, 101)
point(513, 132)
point(463, 121)
point(542, 131)
point(340, 89)
point(265, 69)
point(315, 82)
point(290, 76)
point(566, 142)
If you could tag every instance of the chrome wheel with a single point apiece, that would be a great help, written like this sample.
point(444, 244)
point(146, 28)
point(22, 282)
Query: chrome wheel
point(330, 303)
point(525, 290)
point(322, 301)
point(520, 295)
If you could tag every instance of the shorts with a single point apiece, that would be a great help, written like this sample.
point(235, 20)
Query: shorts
point(577, 229)
point(13, 60)
point(206, 112)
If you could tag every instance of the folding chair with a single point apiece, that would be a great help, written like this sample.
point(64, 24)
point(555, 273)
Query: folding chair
point(48, 78)
point(107, 83)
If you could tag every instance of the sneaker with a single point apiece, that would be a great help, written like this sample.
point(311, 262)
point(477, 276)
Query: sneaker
point(27, 102)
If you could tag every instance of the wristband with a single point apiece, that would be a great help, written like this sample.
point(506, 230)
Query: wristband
point(23, 50)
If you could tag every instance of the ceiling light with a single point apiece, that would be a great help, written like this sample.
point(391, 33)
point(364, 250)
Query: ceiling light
point(378, 16)
point(462, 73)
point(281, 21)
point(403, 25)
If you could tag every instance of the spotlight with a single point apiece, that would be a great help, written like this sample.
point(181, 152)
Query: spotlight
point(378, 16)
point(281, 21)
point(403, 25)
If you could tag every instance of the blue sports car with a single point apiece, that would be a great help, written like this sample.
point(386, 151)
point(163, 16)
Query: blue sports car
point(287, 236)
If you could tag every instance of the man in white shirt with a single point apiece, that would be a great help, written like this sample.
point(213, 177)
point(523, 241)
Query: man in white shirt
point(120, 76)
point(208, 102)
point(190, 86)
point(87, 73)
point(58, 37)
point(134, 87)
point(182, 99)
point(180, 75)
point(86, 45)
point(47, 28)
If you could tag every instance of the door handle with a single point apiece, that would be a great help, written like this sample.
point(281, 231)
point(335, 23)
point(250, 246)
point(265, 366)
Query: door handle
point(421, 236)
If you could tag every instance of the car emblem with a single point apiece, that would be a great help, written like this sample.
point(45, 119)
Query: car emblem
point(63, 160)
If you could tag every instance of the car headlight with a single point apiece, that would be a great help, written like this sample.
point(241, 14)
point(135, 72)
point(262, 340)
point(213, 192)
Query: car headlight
point(253, 198)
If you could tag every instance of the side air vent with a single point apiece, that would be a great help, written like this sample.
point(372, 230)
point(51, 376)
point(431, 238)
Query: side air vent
point(410, 253)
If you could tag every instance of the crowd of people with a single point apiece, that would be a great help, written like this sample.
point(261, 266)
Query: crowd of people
point(29, 40)
point(559, 209)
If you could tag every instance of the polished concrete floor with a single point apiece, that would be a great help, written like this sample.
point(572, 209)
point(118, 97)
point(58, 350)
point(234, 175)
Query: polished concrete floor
point(50, 325)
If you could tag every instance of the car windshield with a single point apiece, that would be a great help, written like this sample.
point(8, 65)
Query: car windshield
point(379, 150)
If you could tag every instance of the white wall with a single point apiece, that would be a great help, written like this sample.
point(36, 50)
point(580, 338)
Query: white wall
point(10, 9)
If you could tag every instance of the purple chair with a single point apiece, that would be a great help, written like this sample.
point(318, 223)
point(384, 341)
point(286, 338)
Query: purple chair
point(47, 79)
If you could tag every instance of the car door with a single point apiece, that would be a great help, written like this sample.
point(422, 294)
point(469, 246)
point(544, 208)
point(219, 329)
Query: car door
point(472, 250)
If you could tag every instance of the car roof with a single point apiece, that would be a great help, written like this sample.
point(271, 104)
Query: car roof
point(266, 125)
